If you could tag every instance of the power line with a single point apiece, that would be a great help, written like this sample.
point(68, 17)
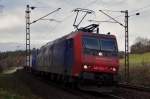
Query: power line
point(70, 14)
point(45, 15)
point(108, 10)
point(101, 21)
point(112, 18)
point(137, 10)
point(145, 7)
point(80, 7)
point(117, 16)
point(51, 20)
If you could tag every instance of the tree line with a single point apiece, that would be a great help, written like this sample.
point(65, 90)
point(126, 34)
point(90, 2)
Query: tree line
point(141, 45)
point(10, 59)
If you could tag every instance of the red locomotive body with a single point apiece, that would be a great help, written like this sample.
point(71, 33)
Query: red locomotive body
point(80, 55)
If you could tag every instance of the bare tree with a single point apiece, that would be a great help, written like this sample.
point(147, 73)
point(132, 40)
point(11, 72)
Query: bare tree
point(141, 45)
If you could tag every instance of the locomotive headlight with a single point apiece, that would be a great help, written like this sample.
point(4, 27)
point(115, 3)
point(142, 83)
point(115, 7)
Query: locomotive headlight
point(100, 54)
point(114, 69)
point(85, 66)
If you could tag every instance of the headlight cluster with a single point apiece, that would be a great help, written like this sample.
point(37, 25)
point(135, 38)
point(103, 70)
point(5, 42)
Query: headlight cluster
point(100, 54)
point(114, 69)
point(86, 66)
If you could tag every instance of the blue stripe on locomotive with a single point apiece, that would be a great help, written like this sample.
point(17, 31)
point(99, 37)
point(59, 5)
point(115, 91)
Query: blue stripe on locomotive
point(58, 57)
point(69, 56)
point(34, 56)
point(63, 57)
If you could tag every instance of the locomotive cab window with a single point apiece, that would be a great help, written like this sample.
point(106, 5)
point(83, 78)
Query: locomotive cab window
point(95, 45)
point(91, 46)
point(91, 43)
point(108, 45)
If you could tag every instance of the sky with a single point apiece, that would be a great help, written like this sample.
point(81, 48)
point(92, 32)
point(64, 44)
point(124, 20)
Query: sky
point(12, 18)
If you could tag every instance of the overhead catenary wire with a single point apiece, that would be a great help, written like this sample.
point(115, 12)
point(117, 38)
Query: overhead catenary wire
point(136, 10)
point(45, 15)
point(70, 14)
point(139, 10)
point(65, 18)
point(108, 10)
point(142, 8)
point(51, 19)
point(101, 21)
point(92, 2)
point(112, 18)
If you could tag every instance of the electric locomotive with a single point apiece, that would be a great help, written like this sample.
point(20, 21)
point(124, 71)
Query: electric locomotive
point(81, 56)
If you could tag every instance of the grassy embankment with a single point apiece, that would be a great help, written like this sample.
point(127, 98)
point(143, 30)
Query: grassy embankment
point(9, 84)
point(139, 68)
point(12, 86)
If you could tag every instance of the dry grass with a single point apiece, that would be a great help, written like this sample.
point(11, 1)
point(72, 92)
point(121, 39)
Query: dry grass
point(140, 75)
point(139, 69)
point(138, 59)
point(12, 87)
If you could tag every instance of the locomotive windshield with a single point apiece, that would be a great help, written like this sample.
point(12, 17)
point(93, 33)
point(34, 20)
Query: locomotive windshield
point(93, 45)
point(108, 45)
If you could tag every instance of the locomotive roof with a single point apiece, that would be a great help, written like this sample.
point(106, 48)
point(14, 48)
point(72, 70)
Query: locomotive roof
point(72, 34)
point(59, 39)
point(99, 35)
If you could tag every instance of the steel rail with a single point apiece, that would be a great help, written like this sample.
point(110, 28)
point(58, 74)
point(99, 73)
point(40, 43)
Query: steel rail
point(134, 87)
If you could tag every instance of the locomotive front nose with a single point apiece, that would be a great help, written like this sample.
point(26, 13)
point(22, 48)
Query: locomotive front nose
point(100, 64)
point(100, 54)
point(99, 69)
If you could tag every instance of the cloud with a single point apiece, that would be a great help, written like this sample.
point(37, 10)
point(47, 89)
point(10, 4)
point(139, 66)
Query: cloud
point(12, 27)
point(10, 21)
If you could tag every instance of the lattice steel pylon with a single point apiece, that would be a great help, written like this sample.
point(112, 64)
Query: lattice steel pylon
point(28, 51)
point(127, 73)
point(126, 69)
point(28, 23)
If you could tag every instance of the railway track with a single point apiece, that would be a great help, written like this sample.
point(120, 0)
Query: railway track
point(130, 91)
point(78, 92)
point(127, 91)
point(87, 94)
point(82, 93)
point(134, 87)
point(115, 96)
point(103, 95)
